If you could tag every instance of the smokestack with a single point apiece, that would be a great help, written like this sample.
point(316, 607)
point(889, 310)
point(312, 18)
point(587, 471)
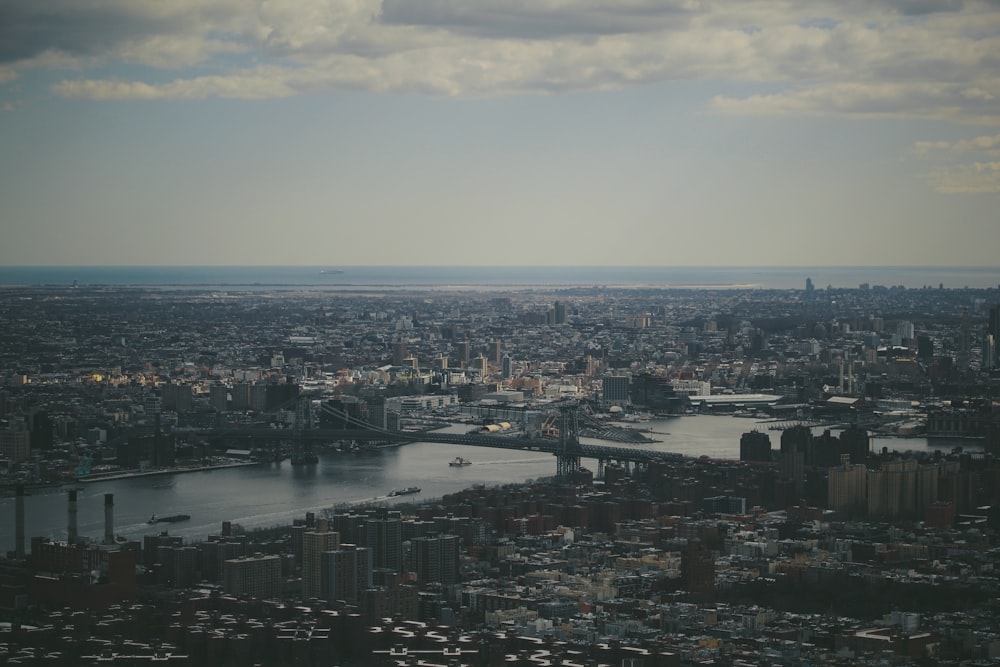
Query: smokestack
point(109, 518)
point(71, 519)
point(19, 523)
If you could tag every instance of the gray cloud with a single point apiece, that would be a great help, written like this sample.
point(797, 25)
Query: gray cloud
point(916, 58)
point(541, 19)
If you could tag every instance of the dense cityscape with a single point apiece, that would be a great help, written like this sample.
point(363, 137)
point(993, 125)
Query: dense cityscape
point(808, 546)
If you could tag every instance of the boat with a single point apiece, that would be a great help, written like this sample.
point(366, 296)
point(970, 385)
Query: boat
point(459, 461)
point(173, 518)
point(410, 490)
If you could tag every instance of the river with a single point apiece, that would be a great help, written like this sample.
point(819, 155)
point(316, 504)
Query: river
point(275, 494)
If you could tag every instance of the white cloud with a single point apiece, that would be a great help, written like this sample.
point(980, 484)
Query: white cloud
point(931, 101)
point(986, 144)
point(913, 58)
point(975, 178)
point(955, 177)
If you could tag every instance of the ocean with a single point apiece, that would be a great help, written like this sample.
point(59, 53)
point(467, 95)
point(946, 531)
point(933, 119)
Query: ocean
point(493, 278)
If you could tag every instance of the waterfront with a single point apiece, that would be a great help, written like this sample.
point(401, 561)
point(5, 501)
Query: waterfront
point(489, 278)
point(275, 494)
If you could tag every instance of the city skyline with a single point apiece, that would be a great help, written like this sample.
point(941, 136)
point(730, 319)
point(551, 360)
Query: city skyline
point(337, 133)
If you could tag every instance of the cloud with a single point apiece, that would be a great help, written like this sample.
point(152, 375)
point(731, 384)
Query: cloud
point(956, 175)
point(931, 101)
point(541, 18)
point(986, 144)
point(108, 28)
point(975, 178)
point(933, 59)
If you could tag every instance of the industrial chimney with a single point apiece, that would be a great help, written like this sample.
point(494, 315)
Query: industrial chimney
point(71, 519)
point(19, 523)
point(109, 518)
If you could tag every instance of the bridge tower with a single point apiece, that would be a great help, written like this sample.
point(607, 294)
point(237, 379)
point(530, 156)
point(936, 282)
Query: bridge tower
point(302, 448)
point(568, 449)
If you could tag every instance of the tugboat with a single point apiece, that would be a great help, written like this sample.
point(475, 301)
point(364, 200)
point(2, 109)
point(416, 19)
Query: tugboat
point(410, 490)
point(459, 461)
point(173, 518)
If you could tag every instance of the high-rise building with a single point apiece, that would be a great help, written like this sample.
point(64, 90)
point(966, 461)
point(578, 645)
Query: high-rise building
point(218, 396)
point(615, 389)
point(698, 568)
point(346, 573)
point(964, 339)
point(216, 552)
point(177, 398)
point(351, 527)
point(152, 406)
point(496, 352)
point(847, 487)
point(258, 396)
point(482, 365)
point(905, 331)
point(990, 352)
point(463, 352)
point(435, 559)
point(559, 312)
point(901, 487)
point(991, 359)
point(795, 443)
point(384, 533)
point(855, 442)
point(376, 411)
point(241, 396)
point(258, 576)
point(755, 446)
point(15, 442)
point(506, 367)
point(185, 564)
point(314, 543)
point(398, 351)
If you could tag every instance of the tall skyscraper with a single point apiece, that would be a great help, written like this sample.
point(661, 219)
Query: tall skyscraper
point(993, 333)
point(376, 411)
point(384, 532)
point(559, 316)
point(346, 573)
point(219, 397)
point(462, 351)
point(435, 559)
point(398, 351)
point(795, 443)
point(847, 487)
point(698, 568)
point(314, 543)
point(615, 389)
point(755, 446)
point(482, 365)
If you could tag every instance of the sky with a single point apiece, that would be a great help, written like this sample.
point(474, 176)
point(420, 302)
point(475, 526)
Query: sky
point(500, 132)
